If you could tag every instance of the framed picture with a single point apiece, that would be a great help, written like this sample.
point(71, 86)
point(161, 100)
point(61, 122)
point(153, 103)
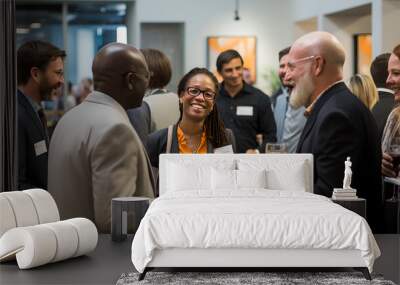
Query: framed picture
point(245, 45)
point(362, 53)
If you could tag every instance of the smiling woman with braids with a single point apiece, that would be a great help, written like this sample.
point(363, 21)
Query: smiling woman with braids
point(199, 128)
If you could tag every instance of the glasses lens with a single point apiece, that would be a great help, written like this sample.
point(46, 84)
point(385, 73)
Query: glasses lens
point(209, 95)
point(193, 91)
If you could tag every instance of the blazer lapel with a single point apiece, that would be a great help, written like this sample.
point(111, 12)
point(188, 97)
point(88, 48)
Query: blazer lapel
point(31, 112)
point(307, 128)
point(314, 113)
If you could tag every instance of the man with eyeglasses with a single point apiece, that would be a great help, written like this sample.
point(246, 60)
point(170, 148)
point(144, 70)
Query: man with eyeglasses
point(289, 121)
point(40, 71)
point(244, 109)
point(95, 154)
point(338, 124)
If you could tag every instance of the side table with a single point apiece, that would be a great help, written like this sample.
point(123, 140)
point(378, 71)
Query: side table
point(358, 205)
point(121, 208)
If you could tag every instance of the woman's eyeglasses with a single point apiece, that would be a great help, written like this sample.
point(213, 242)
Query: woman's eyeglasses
point(194, 91)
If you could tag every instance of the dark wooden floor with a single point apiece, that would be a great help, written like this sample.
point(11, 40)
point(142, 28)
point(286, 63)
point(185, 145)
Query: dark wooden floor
point(110, 260)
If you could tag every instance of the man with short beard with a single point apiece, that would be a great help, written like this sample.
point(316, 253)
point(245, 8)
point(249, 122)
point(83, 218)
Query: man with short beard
point(40, 70)
point(289, 121)
point(338, 124)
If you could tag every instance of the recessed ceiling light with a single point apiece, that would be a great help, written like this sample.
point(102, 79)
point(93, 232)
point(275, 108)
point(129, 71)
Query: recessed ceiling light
point(36, 25)
point(22, 30)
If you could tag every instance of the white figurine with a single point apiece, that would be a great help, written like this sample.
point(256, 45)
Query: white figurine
point(347, 174)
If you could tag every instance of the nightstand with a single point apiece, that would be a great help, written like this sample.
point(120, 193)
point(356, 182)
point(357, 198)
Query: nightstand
point(121, 208)
point(358, 205)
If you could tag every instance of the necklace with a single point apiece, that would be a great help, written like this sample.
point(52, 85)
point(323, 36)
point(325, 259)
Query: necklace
point(190, 142)
point(193, 141)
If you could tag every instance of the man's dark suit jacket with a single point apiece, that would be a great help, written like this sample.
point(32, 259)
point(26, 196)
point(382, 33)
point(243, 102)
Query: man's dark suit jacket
point(340, 126)
point(382, 110)
point(32, 169)
point(140, 119)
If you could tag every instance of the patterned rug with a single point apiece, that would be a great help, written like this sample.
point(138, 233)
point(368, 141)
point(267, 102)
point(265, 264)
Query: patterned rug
point(242, 278)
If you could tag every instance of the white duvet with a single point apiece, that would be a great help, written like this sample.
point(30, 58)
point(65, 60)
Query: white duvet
point(250, 219)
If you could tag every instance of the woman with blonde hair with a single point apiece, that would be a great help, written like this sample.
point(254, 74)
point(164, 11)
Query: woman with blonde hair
point(363, 87)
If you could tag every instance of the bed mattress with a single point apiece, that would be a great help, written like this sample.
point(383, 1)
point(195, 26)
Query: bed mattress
point(251, 219)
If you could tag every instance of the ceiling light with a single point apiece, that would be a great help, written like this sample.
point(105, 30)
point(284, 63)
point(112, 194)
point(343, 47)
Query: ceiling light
point(22, 30)
point(237, 17)
point(36, 25)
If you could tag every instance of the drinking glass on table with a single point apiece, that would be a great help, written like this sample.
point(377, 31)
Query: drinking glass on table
point(276, 148)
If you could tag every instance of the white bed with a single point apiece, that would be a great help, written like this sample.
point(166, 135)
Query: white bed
point(247, 211)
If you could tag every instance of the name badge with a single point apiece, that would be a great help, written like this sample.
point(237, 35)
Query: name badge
point(224, 149)
point(244, 110)
point(40, 148)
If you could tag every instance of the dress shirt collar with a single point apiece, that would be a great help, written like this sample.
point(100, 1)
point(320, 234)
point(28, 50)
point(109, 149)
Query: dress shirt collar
point(309, 109)
point(245, 89)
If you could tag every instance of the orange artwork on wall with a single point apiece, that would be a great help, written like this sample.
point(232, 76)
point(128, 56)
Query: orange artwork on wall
point(245, 45)
point(363, 53)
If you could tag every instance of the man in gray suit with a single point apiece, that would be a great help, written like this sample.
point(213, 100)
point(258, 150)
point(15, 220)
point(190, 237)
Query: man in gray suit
point(96, 154)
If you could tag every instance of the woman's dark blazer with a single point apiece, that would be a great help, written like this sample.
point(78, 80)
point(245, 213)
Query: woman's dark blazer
point(157, 144)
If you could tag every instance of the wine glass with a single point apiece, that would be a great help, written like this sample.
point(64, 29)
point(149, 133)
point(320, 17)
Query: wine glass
point(393, 149)
point(394, 152)
point(275, 148)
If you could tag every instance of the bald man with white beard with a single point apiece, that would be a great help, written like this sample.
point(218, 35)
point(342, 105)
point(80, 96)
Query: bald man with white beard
point(338, 124)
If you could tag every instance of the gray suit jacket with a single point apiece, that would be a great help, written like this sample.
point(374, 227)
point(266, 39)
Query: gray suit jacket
point(96, 155)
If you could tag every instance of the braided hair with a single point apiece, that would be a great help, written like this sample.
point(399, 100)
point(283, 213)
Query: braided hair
point(215, 130)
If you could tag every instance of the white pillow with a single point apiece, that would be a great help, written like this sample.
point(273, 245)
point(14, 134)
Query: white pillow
point(223, 179)
point(291, 179)
point(186, 177)
point(281, 174)
point(227, 179)
point(251, 178)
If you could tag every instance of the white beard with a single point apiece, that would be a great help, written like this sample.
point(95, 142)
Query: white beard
point(301, 93)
